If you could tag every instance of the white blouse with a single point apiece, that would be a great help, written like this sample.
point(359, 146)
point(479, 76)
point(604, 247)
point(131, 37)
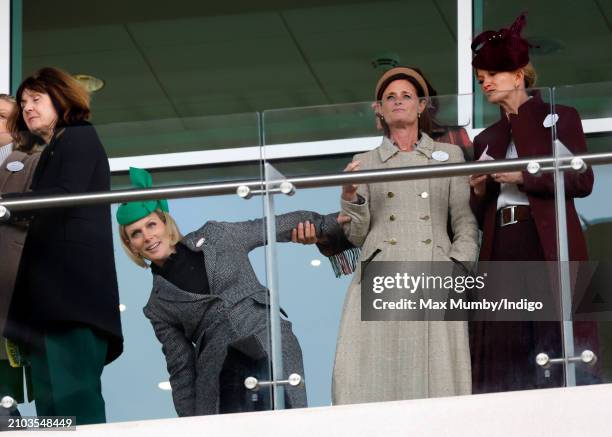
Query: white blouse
point(509, 194)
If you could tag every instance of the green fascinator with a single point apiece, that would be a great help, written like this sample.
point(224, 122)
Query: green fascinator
point(134, 211)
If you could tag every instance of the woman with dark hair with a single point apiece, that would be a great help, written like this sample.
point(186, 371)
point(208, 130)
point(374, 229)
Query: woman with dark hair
point(64, 313)
point(429, 123)
point(341, 253)
point(404, 221)
point(516, 210)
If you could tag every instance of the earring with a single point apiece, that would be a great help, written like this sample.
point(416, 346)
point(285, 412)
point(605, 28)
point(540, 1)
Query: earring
point(380, 116)
point(418, 115)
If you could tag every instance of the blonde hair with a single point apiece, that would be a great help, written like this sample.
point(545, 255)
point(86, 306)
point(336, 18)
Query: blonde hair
point(16, 144)
point(8, 98)
point(175, 237)
point(531, 77)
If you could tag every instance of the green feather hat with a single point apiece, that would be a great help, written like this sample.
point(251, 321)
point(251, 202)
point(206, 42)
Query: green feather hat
point(130, 212)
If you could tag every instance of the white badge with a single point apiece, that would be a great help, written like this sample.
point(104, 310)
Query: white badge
point(551, 120)
point(15, 166)
point(440, 155)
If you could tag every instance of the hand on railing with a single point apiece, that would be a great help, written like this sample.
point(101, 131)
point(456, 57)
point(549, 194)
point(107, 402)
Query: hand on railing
point(349, 191)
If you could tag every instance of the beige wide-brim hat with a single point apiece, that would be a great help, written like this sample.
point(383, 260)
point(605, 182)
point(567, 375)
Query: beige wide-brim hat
point(400, 71)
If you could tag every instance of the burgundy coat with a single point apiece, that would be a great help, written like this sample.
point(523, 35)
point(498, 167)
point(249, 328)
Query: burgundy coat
point(533, 139)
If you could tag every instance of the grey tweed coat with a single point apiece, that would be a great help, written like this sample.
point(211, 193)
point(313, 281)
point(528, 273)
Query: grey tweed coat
point(195, 330)
point(405, 221)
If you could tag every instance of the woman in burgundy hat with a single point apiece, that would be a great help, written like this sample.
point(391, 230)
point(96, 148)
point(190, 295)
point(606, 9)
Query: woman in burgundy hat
point(516, 210)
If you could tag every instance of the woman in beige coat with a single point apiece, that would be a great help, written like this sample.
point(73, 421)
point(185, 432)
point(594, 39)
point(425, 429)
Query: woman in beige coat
point(404, 221)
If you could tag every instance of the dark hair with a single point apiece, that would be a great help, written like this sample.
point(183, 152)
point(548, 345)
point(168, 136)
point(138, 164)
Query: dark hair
point(425, 122)
point(69, 98)
point(436, 129)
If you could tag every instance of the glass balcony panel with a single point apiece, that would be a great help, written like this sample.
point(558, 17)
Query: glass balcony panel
point(340, 342)
point(587, 327)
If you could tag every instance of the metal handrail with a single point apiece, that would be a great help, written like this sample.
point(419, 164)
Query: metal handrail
point(546, 164)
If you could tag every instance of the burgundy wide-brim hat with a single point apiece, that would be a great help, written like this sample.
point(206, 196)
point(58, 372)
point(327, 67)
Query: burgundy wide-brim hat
point(502, 50)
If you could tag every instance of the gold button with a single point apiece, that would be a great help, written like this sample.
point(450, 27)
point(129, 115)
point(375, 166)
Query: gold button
point(425, 217)
point(390, 194)
point(392, 217)
point(428, 241)
point(424, 195)
point(392, 241)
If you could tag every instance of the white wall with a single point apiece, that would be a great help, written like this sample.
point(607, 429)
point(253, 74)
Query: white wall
point(577, 411)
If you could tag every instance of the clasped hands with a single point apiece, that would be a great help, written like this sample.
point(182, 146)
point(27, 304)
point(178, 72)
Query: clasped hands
point(305, 232)
point(478, 182)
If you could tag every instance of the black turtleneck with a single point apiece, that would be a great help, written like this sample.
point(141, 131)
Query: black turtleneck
point(185, 269)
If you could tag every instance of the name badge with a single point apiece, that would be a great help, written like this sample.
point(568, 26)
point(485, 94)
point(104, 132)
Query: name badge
point(551, 120)
point(440, 155)
point(15, 166)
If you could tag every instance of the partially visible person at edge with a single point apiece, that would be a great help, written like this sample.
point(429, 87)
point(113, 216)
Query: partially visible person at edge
point(341, 253)
point(516, 210)
point(208, 309)
point(17, 165)
point(64, 312)
point(404, 221)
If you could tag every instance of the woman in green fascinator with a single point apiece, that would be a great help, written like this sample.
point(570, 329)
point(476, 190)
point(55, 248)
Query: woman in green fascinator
point(207, 307)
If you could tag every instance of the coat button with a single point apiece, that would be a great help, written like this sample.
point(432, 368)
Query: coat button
point(425, 217)
point(392, 241)
point(392, 217)
point(200, 242)
point(428, 241)
point(390, 194)
point(424, 195)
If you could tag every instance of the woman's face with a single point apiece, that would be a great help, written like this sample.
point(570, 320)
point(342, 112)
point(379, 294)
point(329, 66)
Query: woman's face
point(150, 238)
point(499, 85)
point(38, 112)
point(6, 108)
point(400, 104)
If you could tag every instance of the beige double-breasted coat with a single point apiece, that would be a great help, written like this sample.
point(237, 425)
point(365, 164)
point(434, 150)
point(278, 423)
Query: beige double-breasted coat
point(405, 221)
